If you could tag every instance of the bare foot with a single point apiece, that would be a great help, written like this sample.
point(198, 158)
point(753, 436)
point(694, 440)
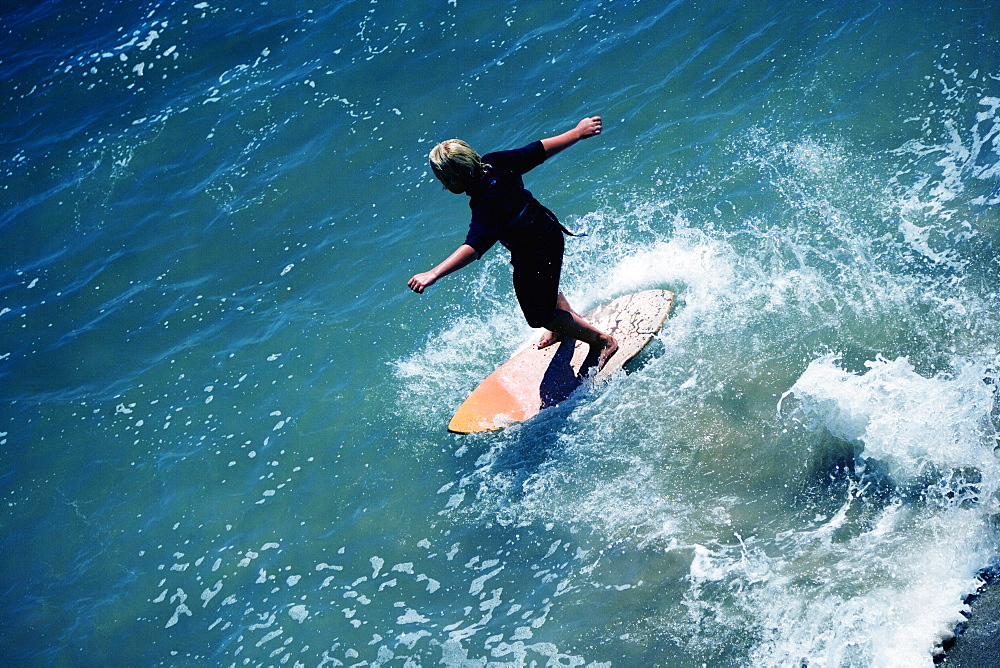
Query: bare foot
point(548, 338)
point(609, 349)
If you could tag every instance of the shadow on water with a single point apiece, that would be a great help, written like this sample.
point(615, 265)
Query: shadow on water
point(506, 459)
point(526, 447)
point(517, 453)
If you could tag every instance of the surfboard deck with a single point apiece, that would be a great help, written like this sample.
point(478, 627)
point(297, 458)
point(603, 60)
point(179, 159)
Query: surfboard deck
point(534, 379)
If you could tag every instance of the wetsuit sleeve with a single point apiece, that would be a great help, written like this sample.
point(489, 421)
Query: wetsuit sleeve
point(484, 230)
point(518, 160)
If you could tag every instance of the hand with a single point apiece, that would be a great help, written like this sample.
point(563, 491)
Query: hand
point(589, 127)
point(462, 256)
point(421, 282)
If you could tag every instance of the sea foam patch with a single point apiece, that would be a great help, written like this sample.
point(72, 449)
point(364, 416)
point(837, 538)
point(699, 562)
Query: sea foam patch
point(913, 424)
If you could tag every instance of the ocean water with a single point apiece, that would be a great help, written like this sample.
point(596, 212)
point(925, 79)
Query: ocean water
point(222, 437)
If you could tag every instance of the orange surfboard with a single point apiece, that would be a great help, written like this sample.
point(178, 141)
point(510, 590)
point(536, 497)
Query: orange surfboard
point(534, 379)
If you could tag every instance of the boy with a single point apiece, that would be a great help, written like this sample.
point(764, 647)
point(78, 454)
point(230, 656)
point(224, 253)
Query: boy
point(502, 210)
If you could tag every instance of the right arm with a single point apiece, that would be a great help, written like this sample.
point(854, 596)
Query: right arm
point(463, 256)
point(588, 127)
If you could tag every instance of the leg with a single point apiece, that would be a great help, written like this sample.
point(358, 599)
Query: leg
point(536, 283)
point(550, 337)
point(570, 324)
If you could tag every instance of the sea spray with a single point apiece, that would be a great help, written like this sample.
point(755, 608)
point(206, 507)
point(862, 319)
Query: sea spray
point(916, 427)
point(932, 440)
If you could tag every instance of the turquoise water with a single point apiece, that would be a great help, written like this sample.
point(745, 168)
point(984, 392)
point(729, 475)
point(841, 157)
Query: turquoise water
point(223, 438)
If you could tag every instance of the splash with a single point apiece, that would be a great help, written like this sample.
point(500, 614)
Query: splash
point(915, 426)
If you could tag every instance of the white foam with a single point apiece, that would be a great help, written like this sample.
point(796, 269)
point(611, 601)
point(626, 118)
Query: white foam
point(913, 424)
point(299, 613)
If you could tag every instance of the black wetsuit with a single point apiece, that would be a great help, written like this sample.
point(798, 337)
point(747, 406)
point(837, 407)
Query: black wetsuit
point(502, 210)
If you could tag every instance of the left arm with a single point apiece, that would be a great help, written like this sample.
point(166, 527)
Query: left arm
point(588, 127)
point(462, 257)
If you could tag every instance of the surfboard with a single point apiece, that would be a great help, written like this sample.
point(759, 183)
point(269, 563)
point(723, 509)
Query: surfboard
point(533, 380)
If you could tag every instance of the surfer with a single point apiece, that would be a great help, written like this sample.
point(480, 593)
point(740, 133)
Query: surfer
point(502, 210)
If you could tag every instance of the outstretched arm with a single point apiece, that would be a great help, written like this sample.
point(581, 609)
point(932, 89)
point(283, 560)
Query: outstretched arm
point(463, 256)
point(588, 127)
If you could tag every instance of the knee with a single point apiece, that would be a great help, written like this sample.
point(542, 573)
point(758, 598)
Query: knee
point(549, 319)
point(540, 320)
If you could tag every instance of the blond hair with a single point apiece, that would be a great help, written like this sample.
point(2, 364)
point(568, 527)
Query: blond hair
point(455, 163)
